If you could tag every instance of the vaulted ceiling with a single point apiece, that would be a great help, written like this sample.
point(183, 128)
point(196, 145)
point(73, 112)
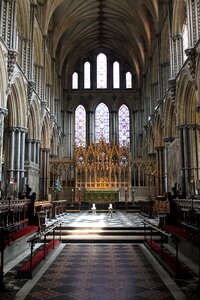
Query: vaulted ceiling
point(126, 27)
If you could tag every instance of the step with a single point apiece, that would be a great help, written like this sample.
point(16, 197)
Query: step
point(95, 238)
point(104, 232)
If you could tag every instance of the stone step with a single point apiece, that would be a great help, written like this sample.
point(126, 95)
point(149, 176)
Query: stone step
point(96, 238)
point(84, 234)
point(104, 232)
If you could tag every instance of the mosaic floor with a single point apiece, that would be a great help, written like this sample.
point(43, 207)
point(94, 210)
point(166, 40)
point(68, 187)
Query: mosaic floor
point(100, 272)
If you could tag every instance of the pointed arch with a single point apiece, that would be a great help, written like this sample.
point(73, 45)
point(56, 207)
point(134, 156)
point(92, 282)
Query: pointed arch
point(45, 133)
point(18, 101)
point(87, 75)
point(170, 119)
point(75, 81)
point(186, 99)
point(158, 131)
point(34, 121)
point(102, 122)
point(80, 125)
point(124, 125)
point(116, 75)
point(101, 71)
point(23, 18)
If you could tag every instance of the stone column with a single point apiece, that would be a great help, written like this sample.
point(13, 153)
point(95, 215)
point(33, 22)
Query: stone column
point(114, 129)
point(90, 125)
point(182, 160)
point(133, 133)
point(3, 113)
point(167, 143)
point(69, 135)
point(34, 150)
point(18, 156)
point(28, 142)
point(161, 170)
point(12, 151)
point(44, 161)
point(23, 132)
point(37, 152)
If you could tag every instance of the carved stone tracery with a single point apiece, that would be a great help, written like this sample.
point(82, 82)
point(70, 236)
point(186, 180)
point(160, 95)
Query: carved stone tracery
point(102, 166)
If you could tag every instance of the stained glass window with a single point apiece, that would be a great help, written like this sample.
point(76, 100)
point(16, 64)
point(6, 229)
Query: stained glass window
point(80, 125)
point(128, 80)
point(102, 122)
point(116, 75)
point(75, 81)
point(124, 126)
point(87, 82)
point(101, 71)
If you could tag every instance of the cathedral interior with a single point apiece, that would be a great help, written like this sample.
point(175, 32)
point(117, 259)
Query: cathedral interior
point(99, 149)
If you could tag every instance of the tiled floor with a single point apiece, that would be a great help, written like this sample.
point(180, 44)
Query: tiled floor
point(100, 272)
point(118, 219)
point(95, 271)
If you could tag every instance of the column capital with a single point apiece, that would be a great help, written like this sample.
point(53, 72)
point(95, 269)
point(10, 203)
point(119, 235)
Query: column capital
point(177, 37)
point(168, 139)
point(45, 149)
point(3, 111)
point(18, 129)
point(159, 148)
point(188, 126)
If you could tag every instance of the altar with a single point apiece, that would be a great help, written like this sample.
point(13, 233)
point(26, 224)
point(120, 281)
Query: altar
point(101, 196)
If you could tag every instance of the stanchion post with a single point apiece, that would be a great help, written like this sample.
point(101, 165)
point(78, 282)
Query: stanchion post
point(44, 246)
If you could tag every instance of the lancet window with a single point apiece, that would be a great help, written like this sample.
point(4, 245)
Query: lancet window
point(102, 122)
point(124, 126)
point(80, 125)
point(75, 81)
point(101, 71)
point(87, 81)
point(116, 78)
point(128, 80)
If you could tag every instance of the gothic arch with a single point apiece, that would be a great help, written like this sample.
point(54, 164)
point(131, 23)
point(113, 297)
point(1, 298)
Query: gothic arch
point(34, 121)
point(185, 99)
point(178, 16)
point(23, 18)
point(170, 119)
point(54, 142)
point(38, 53)
point(158, 131)
point(100, 100)
point(45, 133)
point(18, 102)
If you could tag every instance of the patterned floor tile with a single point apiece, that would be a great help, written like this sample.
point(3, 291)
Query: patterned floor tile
point(127, 274)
